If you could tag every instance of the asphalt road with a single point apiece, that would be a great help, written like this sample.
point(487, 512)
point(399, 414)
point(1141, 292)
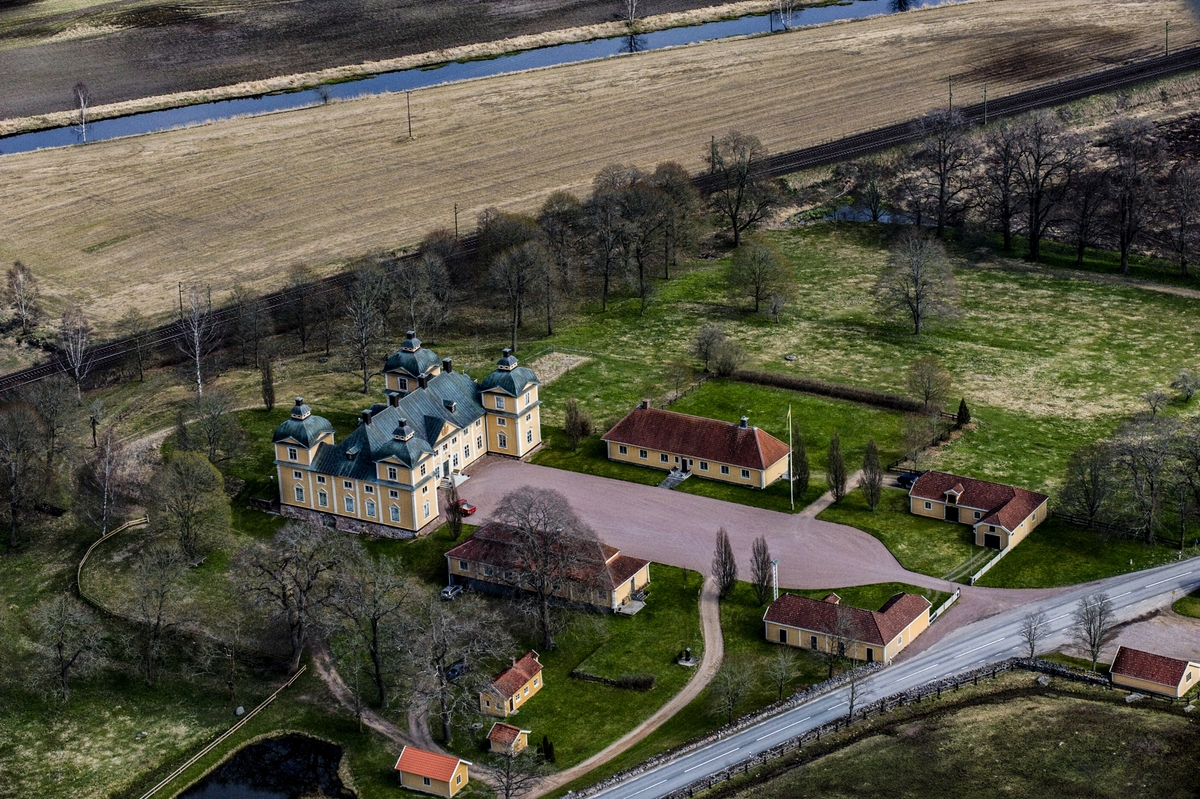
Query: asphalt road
point(986, 640)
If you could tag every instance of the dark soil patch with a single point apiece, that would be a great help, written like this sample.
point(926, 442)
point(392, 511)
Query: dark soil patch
point(1183, 136)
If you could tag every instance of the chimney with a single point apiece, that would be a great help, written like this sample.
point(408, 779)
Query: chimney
point(514, 663)
point(447, 365)
point(644, 405)
point(394, 400)
point(366, 416)
point(745, 422)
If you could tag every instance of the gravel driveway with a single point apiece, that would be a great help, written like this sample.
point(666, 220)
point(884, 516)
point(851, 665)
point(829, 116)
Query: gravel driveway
point(680, 529)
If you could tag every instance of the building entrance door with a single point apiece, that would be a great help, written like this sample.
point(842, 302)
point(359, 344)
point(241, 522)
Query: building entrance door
point(991, 540)
point(951, 513)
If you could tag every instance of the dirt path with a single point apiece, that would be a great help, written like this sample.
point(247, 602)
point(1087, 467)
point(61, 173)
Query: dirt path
point(823, 502)
point(333, 681)
point(710, 664)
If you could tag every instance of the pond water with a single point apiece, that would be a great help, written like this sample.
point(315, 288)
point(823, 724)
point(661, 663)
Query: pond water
point(281, 768)
point(422, 77)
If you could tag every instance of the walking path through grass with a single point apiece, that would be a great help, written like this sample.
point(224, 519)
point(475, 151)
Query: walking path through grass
point(710, 664)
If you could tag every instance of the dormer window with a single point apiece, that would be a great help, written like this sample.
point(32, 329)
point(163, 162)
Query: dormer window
point(449, 405)
point(402, 383)
point(499, 403)
point(391, 473)
point(952, 499)
point(293, 455)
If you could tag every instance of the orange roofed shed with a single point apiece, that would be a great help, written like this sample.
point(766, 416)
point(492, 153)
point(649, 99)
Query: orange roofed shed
point(513, 686)
point(505, 739)
point(432, 772)
point(1147, 671)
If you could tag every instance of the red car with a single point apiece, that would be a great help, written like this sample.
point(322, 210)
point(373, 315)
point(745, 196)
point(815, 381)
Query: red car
point(467, 507)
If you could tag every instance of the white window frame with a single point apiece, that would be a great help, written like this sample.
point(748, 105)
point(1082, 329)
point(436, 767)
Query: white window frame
point(297, 475)
point(322, 499)
point(527, 398)
point(426, 510)
point(662, 457)
point(370, 507)
point(348, 504)
point(745, 474)
point(643, 454)
point(622, 449)
point(320, 479)
point(928, 506)
point(499, 402)
point(502, 422)
point(501, 441)
point(704, 466)
point(528, 436)
point(724, 469)
point(348, 485)
point(402, 383)
point(293, 454)
point(395, 513)
point(393, 494)
point(392, 473)
point(479, 442)
point(299, 493)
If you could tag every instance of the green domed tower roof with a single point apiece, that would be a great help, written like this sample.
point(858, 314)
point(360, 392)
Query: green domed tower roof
point(509, 377)
point(411, 358)
point(302, 427)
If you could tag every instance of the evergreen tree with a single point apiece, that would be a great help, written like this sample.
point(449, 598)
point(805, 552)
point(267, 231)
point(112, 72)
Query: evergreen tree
point(964, 415)
point(835, 469)
point(872, 479)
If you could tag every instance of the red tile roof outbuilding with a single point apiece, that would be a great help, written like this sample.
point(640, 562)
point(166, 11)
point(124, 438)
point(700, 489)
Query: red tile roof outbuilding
point(697, 437)
point(1003, 505)
point(1148, 666)
point(510, 680)
point(869, 626)
point(433, 765)
point(505, 734)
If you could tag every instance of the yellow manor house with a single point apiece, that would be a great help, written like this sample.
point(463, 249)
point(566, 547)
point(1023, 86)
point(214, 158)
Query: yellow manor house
point(382, 479)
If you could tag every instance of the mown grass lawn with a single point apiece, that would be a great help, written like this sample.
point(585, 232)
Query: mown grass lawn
point(1068, 745)
point(1057, 553)
point(1188, 605)
point(927, 546)
point(582, 717)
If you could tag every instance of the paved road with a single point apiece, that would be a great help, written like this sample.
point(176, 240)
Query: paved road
point(982, 641)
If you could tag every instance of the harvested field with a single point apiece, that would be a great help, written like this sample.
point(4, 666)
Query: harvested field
point(243, 199)
point(137, 48)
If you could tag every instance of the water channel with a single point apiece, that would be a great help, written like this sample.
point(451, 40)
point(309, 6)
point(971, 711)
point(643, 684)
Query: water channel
point(423, 77)
point(280, 768)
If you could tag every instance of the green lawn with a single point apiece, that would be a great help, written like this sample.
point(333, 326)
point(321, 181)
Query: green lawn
point(927, 546)
point(1188, 605)
point(1057, 553)
point(1079, 663)
point(1035, 745)
point(582, 717)
point(591, 458)
point(774, 497)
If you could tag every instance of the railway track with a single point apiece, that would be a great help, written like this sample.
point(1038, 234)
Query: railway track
point(112, 352)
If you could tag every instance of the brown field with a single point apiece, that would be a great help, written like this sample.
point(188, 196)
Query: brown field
point(119, 223)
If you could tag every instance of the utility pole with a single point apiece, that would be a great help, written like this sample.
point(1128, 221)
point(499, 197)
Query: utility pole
point(408, 102)
point(181, 301)
point(1168, 40)
point(456, 221)
point(712, 156)
point(950, 80)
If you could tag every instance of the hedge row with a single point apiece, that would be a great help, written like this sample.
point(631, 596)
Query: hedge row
point(893, 402)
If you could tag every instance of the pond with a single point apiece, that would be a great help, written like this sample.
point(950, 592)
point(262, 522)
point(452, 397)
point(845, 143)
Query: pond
point(422, 77)
point(288, 767)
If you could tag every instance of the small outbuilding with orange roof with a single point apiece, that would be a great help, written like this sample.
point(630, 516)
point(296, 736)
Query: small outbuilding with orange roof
point(513, 686)
point(1002, 515)
point(505, 739)
point(432, 772)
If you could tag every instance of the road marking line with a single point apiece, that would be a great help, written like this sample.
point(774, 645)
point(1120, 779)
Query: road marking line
point(915, 673)
point(711, 759)
point(976, 649)
point(648, 787)
point(781, 729)
point(1056, 618)
point(1160, 582)
point(1118, 596)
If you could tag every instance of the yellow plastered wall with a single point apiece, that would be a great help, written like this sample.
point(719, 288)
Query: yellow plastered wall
point(493, 705)
point(1185, 685)
point(639, 580)
point(437, 787)
point(519, 745)
point(713, 472)
point(855, 650)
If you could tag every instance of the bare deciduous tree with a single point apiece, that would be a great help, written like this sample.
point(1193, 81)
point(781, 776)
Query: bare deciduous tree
point(1138, 158)
point(929, 382)
point(744, 193)
point(199, 334)
point(835, 468)
point(872, 478)
point(1156, 400)
point(1087, 196)
point(75, 340)
point(1182, 211)
point(369, 603)
point(724, 565)
point(300, 285)
point(70, 638)
point(758, 271)
point(1033, 630)
point(578, 424)
point(1187, 383)
point(1000, 188)
point(917, 281)
point(1091, 482)
point(158, 591)
point(291, 577)
point(727, 357)
point(104, 489)
point(445, 633)
point(189, 503)
point(679, 230)
point(841, 638)
point(267, 383)
point(707, 341)
point(1048, 157)
point(252, 323)
point(1145, 450)
point(781, 670)
point(513, 274)
point(729, 688)
point(515, 774)
point(22, 471)
point(134, 326)
point(760, 569)
point(551, 547)
point(1092, 624)
point(364, 325)
point(946, 153)
point(605, 232)
point(454, 510)
point(82, 96)
point(22, 294)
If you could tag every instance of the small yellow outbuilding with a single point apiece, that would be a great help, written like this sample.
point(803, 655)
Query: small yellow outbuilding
point(431, 772)
point(1146, 671)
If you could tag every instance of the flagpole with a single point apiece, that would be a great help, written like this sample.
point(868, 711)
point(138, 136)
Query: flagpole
point(791, 472)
